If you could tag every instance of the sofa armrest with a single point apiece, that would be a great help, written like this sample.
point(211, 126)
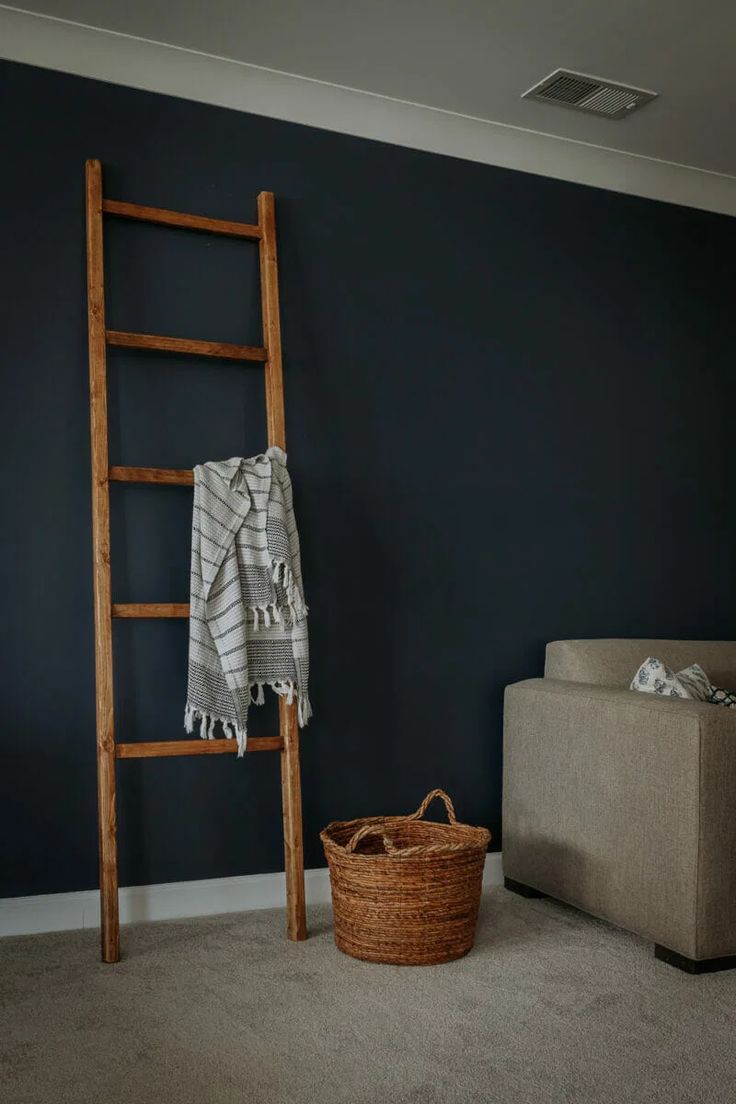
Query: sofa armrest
point(621, 803)
point(705, 712)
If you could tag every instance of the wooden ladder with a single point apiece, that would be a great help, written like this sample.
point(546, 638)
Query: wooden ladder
point(108, 750)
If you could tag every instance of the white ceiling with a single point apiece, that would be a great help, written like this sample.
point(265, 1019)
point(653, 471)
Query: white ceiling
point(476, 57)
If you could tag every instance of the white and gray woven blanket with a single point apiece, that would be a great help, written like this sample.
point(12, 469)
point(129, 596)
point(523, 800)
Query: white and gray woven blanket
point(248, 618)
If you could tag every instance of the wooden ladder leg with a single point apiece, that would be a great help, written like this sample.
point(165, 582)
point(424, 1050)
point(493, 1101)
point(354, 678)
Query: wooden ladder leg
point(110, 921)
point(109, 912)
point(291, 787)
point(291, 802)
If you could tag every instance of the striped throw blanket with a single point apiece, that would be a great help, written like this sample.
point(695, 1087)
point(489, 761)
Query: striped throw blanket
point(248, 618)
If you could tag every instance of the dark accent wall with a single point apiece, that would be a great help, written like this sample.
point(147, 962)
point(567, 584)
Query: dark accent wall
point(510, 415)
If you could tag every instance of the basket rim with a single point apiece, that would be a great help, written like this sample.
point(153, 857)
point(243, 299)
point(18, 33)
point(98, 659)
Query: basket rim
point(482, 836)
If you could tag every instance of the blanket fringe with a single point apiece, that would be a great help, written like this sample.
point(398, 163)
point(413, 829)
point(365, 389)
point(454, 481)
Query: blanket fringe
point(274, 614)
point(265, 616)
point(290, 690)
point(282, 574)
point(304, 710)
point(231, 730)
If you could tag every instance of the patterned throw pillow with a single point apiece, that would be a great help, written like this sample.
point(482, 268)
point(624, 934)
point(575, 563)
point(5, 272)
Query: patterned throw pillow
point(692, 683)
point(695, 680)
point(655, 677)
point(723, 697)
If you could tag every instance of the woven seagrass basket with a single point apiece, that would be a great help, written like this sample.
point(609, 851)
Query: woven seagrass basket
point(405, 890)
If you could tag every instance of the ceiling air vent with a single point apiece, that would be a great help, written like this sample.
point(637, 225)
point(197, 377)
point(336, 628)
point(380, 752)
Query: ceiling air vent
point(591, 94)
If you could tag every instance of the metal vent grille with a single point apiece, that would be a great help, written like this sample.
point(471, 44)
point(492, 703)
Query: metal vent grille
point(590, 94)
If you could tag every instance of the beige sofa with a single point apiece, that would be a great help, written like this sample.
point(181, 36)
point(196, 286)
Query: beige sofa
point(622, 803)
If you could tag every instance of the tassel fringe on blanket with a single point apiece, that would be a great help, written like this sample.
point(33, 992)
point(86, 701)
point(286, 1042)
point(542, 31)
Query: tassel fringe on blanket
point(248, 617)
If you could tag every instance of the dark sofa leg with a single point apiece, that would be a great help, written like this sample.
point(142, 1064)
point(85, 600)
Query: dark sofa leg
point(521, 889)
point(694, 965)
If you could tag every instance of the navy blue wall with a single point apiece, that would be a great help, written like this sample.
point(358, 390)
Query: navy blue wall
point(510, 409)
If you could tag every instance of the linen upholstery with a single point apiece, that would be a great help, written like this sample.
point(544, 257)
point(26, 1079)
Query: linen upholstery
point(716, 898)
point(623, 804)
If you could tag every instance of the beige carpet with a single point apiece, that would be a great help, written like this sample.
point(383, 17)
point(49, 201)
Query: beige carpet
point(550, 1008)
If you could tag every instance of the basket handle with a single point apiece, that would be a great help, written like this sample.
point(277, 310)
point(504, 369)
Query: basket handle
point(366, 830)
point(427, 802)
point(392, 849)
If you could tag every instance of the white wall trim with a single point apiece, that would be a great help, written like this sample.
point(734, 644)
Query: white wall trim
point(158, 67)
point(173, 900)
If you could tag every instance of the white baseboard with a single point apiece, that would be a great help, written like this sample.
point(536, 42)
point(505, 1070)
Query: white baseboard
point(173, 900)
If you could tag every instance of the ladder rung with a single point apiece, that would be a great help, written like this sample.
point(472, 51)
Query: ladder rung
point(150, 609)
point(184, 476)
point(186, 345)
point(166, 748)
point(178, 218)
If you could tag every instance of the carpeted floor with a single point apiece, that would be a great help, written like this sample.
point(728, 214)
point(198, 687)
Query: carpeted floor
point(550, 1008)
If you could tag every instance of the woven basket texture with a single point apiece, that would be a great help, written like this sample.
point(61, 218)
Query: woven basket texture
point(405, 891)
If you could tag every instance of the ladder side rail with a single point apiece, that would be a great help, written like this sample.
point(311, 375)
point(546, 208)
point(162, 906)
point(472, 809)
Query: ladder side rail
point(108, 856)
point(291, 793)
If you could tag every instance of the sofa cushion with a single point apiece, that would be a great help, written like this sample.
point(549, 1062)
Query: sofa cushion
point(610, 662)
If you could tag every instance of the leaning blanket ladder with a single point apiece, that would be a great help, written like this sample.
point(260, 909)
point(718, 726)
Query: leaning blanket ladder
point(108, 750)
